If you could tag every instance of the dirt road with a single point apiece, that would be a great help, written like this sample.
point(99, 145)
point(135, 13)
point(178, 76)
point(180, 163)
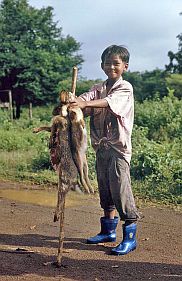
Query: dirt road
point(29, 244)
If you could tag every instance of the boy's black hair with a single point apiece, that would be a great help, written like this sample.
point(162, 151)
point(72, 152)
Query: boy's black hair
point(116, 50)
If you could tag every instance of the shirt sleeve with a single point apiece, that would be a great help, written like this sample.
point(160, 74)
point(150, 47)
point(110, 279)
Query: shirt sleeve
point(121, 101)
point(93, 93)
point(88, 96)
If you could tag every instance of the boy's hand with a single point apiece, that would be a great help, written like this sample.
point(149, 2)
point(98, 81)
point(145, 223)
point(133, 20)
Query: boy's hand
point(78, 102)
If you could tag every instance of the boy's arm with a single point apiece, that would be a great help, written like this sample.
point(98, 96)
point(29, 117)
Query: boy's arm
point(91, 104)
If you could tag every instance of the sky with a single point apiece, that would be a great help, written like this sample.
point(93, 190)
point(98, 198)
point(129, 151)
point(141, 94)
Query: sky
point(148, 28)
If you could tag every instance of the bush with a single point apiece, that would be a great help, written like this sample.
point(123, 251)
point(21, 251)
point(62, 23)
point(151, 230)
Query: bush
point(42, 160)
point(162, 118)
point(156, 161)
point(158, 166)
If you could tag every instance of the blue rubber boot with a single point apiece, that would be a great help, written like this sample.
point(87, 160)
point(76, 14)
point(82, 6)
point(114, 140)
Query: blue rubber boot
point(129, 240)
point(108, 231)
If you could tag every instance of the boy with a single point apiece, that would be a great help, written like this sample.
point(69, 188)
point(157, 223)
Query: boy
point(111, 107)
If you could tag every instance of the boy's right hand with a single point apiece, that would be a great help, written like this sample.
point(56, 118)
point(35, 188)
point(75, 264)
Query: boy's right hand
point(78, 102)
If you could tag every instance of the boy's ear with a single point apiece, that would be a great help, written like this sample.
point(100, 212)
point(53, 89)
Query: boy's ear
point(102, 65)
point(126, 66)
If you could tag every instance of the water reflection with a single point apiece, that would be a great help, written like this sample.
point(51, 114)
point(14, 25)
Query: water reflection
point(43, 197)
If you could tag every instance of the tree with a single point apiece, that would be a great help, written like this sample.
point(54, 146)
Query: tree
point(174, 82)
point(175, 64)
point(135, 78)
point(148, 85)
point(34, 56)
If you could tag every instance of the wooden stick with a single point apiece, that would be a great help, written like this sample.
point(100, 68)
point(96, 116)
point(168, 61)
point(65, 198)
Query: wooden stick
point(61, 229)
point(74, 78)
point(61, 192)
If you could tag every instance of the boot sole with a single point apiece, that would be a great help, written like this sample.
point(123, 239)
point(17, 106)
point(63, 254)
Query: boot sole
point(103, 241)
point(122, 254)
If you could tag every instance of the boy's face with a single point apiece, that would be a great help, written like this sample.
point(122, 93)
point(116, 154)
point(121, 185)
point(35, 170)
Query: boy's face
point(113, 66)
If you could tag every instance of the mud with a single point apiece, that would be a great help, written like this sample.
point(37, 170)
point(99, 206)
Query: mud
point(29, 241)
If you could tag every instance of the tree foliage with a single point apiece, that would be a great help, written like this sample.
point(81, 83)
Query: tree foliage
point(156, 161)
point(34, 56)
point(174, 82)
point(175, 64)
point(149, 84)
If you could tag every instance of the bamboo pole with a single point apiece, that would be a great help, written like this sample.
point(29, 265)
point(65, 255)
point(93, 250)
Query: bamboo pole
point(61, 192)
point(61, 232)
point(74, 78)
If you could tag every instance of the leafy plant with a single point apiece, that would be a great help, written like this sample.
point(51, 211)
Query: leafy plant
point(156, 161)
point(34, 55)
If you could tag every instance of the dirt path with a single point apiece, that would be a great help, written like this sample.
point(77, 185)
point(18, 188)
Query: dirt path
point(31, 228)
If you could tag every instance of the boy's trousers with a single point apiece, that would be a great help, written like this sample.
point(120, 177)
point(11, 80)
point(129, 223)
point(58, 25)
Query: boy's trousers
point(113, 176)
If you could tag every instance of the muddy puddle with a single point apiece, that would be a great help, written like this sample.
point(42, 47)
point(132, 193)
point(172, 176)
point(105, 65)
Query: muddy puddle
point(45, 197)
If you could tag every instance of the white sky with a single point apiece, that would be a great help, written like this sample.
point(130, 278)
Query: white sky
point(147, 27)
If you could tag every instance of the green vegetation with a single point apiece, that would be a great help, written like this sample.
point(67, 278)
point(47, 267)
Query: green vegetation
point(34, 54)
point(36, 61)
point(21, 151)
point(175, 64)
point(156, 163)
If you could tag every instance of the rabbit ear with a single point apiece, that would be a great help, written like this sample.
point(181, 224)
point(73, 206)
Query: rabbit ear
point(60, 95)
point(64, 97)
